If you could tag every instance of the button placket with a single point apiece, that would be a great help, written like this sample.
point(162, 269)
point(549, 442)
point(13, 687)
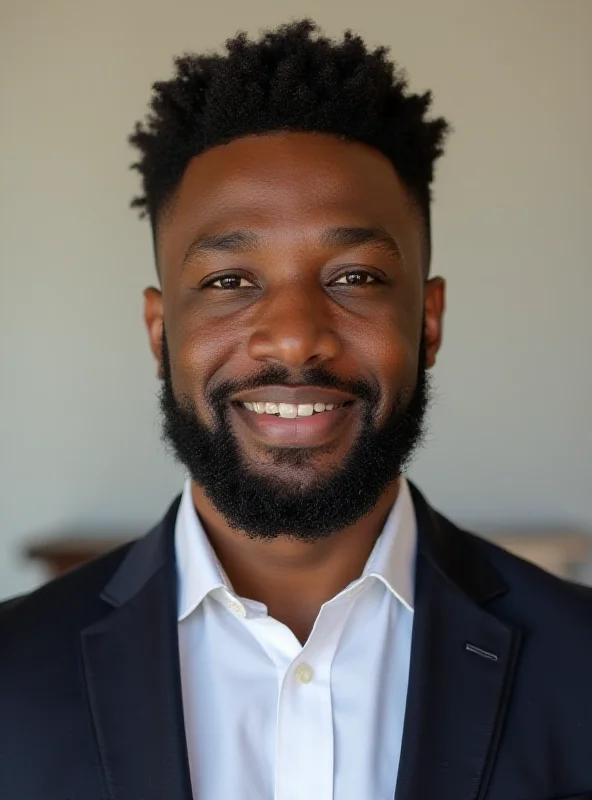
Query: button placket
point(305, 745)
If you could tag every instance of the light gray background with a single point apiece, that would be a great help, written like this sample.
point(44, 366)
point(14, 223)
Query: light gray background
point(510, 433)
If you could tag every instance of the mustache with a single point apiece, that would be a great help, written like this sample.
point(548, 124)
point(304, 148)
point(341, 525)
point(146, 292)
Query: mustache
point(278, 375)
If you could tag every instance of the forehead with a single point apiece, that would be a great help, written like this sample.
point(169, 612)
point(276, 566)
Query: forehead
point(288, 187)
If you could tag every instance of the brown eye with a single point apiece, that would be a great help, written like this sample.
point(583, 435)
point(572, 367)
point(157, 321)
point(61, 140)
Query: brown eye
point(359, 278)
point(228, 282)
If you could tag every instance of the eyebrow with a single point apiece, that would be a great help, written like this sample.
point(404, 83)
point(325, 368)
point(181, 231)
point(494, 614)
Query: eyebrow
point(245, 241)
point(354, 237)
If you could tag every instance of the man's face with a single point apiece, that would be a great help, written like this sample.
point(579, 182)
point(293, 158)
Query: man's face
point(293, 260)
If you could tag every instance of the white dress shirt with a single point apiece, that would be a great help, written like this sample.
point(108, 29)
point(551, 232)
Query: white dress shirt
point(267, 718)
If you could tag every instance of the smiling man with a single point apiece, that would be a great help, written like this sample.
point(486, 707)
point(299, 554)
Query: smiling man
point(301, 625)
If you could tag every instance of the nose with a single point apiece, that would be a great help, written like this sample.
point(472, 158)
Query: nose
point(294, 327)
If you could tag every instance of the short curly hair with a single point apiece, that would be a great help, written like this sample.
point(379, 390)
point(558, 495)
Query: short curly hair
point(290, 79)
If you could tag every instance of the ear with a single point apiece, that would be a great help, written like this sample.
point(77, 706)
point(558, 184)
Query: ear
point(434, 305)
point(154, 321)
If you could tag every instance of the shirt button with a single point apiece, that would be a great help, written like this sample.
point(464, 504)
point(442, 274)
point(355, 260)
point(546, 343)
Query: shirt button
point(304, 673)
point(237, 609)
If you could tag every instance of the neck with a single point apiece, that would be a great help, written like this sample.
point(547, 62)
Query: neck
point(293, 578)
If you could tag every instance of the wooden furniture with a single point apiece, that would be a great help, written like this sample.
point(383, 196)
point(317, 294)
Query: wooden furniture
point(560, 552)
point(60, 555)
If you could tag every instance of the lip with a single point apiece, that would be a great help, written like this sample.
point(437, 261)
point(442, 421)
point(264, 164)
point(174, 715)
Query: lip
point(313, 431)
point(296, 395)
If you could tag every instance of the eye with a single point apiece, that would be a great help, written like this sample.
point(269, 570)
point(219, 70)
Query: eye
point(359, 276)
point(228, 282)
point(232, 281)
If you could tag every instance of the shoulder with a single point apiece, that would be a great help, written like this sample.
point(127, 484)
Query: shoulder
point(55, 614)
point(489, 574)
point(529, 580)
point(551, 618)
point(535, 599)
point(64, 604)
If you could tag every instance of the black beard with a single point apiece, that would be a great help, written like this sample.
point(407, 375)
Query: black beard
point(265, 508)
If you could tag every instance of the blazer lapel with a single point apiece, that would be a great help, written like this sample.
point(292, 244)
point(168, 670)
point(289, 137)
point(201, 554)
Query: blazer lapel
point(131, 665)
point(462, 664)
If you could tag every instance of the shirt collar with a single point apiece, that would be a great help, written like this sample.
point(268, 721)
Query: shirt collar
point(199, 571)
point(198, 568)
point(392, 559)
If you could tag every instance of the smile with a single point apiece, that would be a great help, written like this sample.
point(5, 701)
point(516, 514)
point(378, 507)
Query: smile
point(292, 410)
point(291, 425)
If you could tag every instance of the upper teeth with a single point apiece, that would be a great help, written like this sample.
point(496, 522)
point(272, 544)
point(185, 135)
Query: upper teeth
point(289, 410)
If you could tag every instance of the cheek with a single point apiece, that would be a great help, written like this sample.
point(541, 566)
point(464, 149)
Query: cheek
point(185, 341)
point(388, 351)
point(392, 336)
point(202, 352)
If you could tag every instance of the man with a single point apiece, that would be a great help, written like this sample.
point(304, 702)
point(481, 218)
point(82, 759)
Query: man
point(301, 624)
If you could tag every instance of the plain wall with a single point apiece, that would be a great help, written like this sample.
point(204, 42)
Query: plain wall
point(510, 439)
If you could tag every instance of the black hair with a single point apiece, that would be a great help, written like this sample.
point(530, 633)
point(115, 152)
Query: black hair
point(290, 79)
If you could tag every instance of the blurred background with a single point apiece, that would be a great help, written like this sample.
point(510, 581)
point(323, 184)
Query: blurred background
point(510, 444)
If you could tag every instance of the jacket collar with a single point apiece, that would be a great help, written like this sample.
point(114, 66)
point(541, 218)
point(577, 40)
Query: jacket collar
point(455, 554)
point(148, 555)
point(463, 661)
point(130, 659)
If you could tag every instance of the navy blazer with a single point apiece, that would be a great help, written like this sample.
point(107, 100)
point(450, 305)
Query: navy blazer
point(500, 694)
